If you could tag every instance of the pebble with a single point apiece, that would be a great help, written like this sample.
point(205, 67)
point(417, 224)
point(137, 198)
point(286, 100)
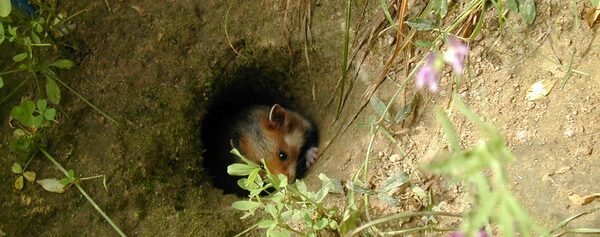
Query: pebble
point(394, 157)
point(521, 135)
point(569, 132)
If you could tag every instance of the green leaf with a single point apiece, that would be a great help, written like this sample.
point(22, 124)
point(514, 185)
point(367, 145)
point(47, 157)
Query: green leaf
point(449, 130)
point(23, 112)
point(2, 37)
point(595, 3)
point(238, 154)
point(29, 176)
point(239, 169)
point(389, 200)
point(442, 7)
point(71, 174)
point(420, 24)
point(265, 224)
point(62, 64)
point(36, 121)
point(393, 182)
point(527, 10)
point(52, 91)
point(283, 180)
point(301, 186)
point(35, 38)
point(403, 113)
point(280, 233)
point(385, 8)
point(19, 183)
point(271, 209)
point(356, 187)
point(12, 30)
point(53, 185)
point(16, 168)
point(246, 205)
point(65, 181)
point(19, 57)
point(321, 223)
point(320, 195)
point(333, 185)
point(20, 144)
point(50, 114)
point(19, 133)
point(42, 105)
point(5, 8)
point(423, 44)
point(512, 6)
point(379, 107)
point(1, 82)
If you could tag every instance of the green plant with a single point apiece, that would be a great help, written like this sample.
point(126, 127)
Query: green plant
point(70, 179)
point(31, 37)
point(482, 169)
point(22, 175)
point(292, 208)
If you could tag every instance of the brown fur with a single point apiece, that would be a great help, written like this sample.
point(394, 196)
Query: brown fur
point(267, 131)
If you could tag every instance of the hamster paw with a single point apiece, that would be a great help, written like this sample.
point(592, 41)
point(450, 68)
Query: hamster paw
point(311, 156)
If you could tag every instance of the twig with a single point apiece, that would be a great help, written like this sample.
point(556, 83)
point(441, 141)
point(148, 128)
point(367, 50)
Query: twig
point(83, 192)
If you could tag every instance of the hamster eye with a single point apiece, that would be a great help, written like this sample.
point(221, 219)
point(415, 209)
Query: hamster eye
point(282, 156)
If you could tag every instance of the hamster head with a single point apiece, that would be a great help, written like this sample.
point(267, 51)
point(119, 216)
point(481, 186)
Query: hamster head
point(285, 130)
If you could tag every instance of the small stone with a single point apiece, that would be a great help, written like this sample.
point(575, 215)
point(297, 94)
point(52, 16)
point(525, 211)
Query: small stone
point(569, 132)
point(394, 157)
point(381, 154)
point(521, 135)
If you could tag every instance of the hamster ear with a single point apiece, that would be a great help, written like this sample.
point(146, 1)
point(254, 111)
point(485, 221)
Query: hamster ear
point(277, 115)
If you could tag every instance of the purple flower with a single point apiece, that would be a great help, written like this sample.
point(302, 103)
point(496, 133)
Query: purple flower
point(457, 234)
point(480, 233)
point(455, 54)
point(428, 74)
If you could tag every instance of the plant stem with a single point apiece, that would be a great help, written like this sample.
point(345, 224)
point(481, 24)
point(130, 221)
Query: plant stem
point(400, 216)
point(51, 74)
point(285, 226)
point(12, 71)
point(83, 192)
point(13, 92)
point(411, 230)
point(246, 230)
point(566, 221)
point(345, 57)
point(318, 205)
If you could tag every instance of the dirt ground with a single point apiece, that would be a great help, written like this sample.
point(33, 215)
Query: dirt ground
point(154, 66)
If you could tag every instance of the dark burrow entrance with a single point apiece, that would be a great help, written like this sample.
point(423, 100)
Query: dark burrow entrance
point(235, 93)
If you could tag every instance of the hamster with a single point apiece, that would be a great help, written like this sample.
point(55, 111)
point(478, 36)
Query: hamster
point(283, 138)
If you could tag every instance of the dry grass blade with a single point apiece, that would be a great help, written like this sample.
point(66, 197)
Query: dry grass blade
point(365, 42)
point(564, 223)
point(227, 33)
point(345, 58)
point(399, 47)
